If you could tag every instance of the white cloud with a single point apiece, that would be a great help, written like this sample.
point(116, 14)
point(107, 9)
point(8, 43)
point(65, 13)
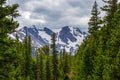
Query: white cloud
point(26, 20)
point(84, 20)
point(118, 0)
point(54, 12)
point(26, 15)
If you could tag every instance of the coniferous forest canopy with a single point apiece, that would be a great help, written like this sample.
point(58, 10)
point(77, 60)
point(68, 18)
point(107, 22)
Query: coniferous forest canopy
point(98, 57)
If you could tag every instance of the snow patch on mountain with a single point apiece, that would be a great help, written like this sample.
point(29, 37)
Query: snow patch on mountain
point(66, 37)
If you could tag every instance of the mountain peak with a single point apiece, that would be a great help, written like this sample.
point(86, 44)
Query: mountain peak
point(67, 36)
point(48, 31)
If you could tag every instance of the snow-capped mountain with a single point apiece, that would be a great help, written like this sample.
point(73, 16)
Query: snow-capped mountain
point(68, 37)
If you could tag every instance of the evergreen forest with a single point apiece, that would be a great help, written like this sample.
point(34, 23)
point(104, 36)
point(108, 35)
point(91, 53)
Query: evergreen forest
point(98, 57)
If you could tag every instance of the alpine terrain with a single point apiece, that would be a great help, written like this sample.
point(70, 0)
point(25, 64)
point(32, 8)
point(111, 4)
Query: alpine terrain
point(66, 37)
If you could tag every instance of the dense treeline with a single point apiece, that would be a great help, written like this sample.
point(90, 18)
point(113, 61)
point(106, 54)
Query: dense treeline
point(16, 60)
point(98, 57)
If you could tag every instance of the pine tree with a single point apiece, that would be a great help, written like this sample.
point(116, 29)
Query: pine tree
point(54, 58)
point(27, 64)
point(95, 21)
point(65, 65)
point(113, 46)
point(106, 32)
point(7, 49)
point(41, 65)
point(93, 42)
point(99, 60)
point(48, 69)
point(98, 57)
point(37, 70)
point(88, 48)
point(19, 59)
point(60, 61)
point(78, 65)
point(110, 8)
point(48, 63)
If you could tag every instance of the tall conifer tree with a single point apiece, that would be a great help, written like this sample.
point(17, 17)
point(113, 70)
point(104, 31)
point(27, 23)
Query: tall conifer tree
point(95, 21)
point(27, 65)
point(7, 50)
point(106, 32)
point(54, 58)
point(66, 69)
point(110, 8)
point(48, 63)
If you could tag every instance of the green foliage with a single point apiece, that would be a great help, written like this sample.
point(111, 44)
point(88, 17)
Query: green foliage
point(27, 56)
point(54, 58)
point(64, 65)
point(8, 55)
point(95, 21)
point(48, 64)
point(98, 56)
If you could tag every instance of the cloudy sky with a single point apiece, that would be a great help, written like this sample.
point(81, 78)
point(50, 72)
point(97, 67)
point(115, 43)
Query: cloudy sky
point(54, 13)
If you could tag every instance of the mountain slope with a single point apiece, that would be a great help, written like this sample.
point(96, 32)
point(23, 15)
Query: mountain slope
point(68, 37)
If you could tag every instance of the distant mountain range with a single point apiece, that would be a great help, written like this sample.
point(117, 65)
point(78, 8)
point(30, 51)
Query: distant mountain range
point(68, 37)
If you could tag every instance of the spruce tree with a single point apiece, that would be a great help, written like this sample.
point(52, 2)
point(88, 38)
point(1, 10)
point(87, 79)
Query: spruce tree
point(99, 60)
point(41, 67)
point(95, 21)
point(7, 49)
point(43, 63)
point(106, 32)
point(60, 60)
point(113, 46)
point(54, 58)
point(65, 65)
point(48, 69)
point(78, 65)
point(36, 67)
point(98, 57)
point(27, 64)
point(110, 8)
point(88, 48)
point(19, 58)
point(48, 63)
